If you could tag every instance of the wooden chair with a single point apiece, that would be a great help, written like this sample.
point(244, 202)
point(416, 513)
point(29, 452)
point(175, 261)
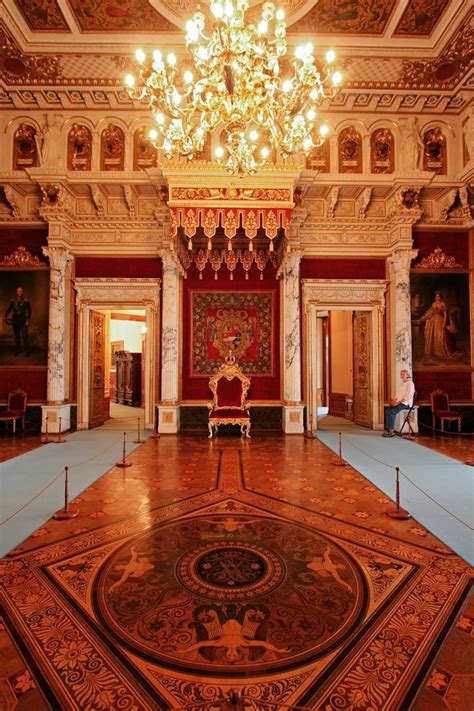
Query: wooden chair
point(440, 409)
point(229, 387)
point(16, 409)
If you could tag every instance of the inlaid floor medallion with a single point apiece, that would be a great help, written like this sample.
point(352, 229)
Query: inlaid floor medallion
point(228, 599)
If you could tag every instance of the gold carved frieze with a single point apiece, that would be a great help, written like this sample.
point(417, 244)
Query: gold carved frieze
point(230, 219)
point(438, 260)
point(231, 193)
point(21, 258)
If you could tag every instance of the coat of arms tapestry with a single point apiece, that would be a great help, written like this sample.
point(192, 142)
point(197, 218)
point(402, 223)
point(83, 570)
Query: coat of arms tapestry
point(226, 322)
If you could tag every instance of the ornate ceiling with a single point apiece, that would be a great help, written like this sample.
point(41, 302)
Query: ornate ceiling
point(397, 55)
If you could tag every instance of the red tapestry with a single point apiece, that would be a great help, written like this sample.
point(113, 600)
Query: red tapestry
point(226, 322)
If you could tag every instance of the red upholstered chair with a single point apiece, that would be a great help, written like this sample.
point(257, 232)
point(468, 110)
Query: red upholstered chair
point(16, 409)
point(229, 387)
point(440, 409)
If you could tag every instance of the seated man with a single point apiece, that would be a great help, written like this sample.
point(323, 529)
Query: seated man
point(403, 400)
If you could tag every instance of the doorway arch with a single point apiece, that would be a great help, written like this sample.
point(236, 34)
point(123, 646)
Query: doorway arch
point(344, 295)
point(105, 293)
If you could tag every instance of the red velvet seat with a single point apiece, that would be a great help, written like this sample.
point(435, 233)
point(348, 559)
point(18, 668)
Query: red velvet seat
point(440, 410)
point(229, 387)
point(16, 409)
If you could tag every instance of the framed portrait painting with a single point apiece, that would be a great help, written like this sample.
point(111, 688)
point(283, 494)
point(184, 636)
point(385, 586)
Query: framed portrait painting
point(440, 321)
point(24, 305)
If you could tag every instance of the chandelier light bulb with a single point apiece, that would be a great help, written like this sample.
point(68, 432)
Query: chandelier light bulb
point(153, 134)
point(235, 88)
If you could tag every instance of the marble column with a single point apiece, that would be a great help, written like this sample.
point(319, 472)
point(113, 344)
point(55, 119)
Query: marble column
point(293, 408)
point(401, 346)
point(169, 407)
point(59, 260)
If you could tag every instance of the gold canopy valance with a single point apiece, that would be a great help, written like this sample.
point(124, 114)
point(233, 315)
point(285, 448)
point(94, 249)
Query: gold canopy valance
point(230, 219)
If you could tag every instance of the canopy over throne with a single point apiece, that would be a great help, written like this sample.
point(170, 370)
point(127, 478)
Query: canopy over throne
point(229, 406)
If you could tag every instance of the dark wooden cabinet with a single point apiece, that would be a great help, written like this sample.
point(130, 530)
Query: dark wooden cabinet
point(128, 387)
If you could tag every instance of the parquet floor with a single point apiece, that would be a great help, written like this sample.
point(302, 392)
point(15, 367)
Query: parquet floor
point(256, 565)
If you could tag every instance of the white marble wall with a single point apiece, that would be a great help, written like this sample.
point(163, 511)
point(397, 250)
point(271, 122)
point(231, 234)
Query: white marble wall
point(291, 329)
point(170, 330)
point(399, 264)
point(59, 258)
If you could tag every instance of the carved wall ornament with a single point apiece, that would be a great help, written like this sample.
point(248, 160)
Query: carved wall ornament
point(381, 151)
point(112, 148)
point(14, 200)
point(364, 202)
point(319, 159)
point(410, 198)
point(25, 151)
point(434, 151)
point(79, 148)
point(231, 193)
point(117, 291)
point(370, 292)
point(350, 151)
point(53, 195)
point(21, 258)
point(438, 260)
point(145, 154)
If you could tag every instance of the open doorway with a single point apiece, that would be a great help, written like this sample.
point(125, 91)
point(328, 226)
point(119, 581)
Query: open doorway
point(124, 367)
point(343, 368)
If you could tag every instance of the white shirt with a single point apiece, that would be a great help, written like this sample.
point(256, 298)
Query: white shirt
point(406, 392)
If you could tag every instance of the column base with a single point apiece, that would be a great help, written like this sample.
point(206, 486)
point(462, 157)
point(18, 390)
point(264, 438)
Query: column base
point(53, 413)
point(293, 419)
point(168, 419)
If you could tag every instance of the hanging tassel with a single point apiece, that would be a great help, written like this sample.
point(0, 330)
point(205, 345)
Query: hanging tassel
point(270, 249)
point(200, 275)
point(250, 246)
point(215, 276)
point(209, 245)
point(190, 244)
point(246, 275)
point(232, 276)
point(261, 276)
point(229, 245)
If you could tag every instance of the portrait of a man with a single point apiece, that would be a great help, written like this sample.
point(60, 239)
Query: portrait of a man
point(24, 299)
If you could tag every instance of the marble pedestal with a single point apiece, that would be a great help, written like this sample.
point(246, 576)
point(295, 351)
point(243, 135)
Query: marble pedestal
point(293, 419)
point(53, 413)
point(168, 419)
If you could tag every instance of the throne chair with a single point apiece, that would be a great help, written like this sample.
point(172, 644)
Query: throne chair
point(229, 387)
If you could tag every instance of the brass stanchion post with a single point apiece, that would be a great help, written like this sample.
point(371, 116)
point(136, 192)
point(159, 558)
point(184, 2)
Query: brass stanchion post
point(123, 463)
point(45, 439)
point(59, 439)
point(138, 440)
point(398, 512)
point(340, 462)
point(67, 512)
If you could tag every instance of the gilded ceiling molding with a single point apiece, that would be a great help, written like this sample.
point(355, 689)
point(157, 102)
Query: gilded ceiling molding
point(16, 67)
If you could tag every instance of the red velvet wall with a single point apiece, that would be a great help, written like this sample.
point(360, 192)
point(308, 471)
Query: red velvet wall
point(127, 267)
point(32, 379)
point(322, 268)
point(262, 387)
point(458, 385)
point(453, 243)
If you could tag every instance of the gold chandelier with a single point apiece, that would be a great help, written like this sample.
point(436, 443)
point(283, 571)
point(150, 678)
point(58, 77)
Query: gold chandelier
point(242, 83)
